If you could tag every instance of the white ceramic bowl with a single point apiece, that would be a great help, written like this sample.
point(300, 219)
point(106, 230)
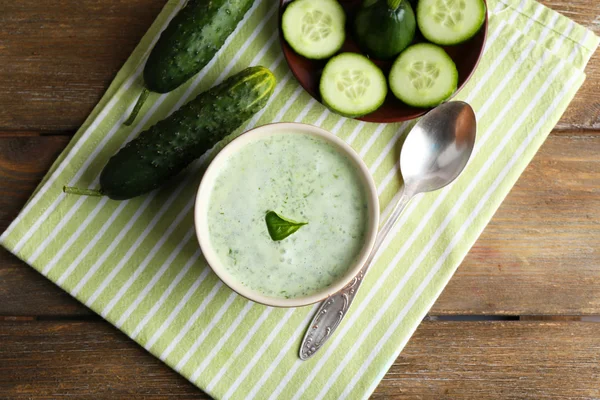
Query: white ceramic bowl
point(206, 187)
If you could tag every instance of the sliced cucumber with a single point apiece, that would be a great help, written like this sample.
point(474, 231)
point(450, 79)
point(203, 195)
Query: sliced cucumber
point(314, 28)
point(352, 85)
point(449, 22)
point(423, 75)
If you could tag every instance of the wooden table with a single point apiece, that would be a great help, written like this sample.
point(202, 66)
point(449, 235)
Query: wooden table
point(517, 319)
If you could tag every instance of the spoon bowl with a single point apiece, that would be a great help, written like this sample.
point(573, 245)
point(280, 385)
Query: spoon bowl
point(435, 152)
point(438, 147)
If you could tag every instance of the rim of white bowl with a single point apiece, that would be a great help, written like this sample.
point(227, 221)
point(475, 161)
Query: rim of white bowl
point(206, 186)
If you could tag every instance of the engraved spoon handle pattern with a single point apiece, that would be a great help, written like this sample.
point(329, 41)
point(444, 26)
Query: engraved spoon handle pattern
point(334, 308)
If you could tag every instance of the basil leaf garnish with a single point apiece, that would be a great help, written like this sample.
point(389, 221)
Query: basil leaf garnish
point(280, 227)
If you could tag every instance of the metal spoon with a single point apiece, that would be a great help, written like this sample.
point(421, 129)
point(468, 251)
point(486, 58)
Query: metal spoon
point(435, 152)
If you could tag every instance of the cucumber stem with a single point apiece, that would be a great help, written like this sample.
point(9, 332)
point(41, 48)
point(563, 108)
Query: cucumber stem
point(138, 106)
point(82, 192)
point(394, 4)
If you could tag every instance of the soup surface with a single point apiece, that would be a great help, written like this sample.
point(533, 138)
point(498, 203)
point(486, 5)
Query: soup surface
point(302, 178)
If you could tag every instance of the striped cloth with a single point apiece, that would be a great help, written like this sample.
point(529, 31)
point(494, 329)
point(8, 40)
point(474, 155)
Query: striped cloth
point(137, 262)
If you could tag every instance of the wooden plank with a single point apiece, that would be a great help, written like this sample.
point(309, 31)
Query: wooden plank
point(473, 360)
point(24, 161)
point(539, 254)
point(25, 292)
point(58, 57)
point(82, 360)
point(491, 360)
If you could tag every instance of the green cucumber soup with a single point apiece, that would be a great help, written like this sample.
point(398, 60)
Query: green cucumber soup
point(302, 178)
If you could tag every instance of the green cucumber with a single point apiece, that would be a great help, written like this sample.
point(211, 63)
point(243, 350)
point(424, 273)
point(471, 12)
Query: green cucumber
point(384, 28)
point(189, 42)
point(352, 85)
point(314, 28)
point(450, 22)
point(161, 152)
point(423, 75)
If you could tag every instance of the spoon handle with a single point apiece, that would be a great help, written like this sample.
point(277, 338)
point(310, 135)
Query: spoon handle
point(335, 307)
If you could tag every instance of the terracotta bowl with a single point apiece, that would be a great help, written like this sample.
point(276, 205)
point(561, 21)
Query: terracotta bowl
point(308, 72)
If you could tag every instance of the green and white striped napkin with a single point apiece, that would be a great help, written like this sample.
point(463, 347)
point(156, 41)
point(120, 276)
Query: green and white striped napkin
point(137, 262)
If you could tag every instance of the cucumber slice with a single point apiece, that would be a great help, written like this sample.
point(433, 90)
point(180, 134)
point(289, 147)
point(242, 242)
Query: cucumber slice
point(352, 85)
point(423, 76)
point(450, 22)
point(314, 28)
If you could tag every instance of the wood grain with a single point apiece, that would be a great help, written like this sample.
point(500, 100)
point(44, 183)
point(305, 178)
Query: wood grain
point(82, 360)
point(443, 360)
point(24, 160)
point(538, 256)
point(25, 292)
point(497, 360)
point(58, 57)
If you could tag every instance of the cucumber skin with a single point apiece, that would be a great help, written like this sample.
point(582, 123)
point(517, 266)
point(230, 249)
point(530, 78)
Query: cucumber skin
point(161, 152)
point(191, 40)
point(382, 32)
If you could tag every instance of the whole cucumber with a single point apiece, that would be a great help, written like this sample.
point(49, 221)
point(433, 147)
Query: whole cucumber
point(164, 150)
point(189, 42)
point(383, 28)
